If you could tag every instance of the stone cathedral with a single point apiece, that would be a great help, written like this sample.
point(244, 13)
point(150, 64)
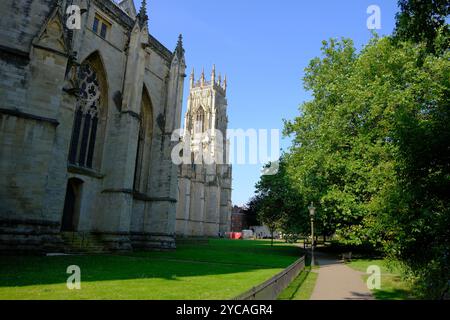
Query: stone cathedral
point(87, 114)
point(204, 188)
point(86, 117)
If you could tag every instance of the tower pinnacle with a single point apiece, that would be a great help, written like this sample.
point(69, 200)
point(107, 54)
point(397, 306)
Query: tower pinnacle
point(179, 50)
point(202, 77)
point(213, 74)
point(142, 15)
point(192, 78)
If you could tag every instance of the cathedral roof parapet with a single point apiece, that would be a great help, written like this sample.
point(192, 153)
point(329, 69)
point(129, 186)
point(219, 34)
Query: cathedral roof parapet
point(113, 10)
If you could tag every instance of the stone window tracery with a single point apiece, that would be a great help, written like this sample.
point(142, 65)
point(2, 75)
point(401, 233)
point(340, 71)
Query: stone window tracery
point(86, 118)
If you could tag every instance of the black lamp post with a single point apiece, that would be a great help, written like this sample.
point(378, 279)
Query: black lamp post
point(312, 212)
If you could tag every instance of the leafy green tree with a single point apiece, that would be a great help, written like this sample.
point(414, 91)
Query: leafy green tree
point(340, 155)
point(420, 206)
point(422, 20)
point(251, 210)
point(279, 205)
point(372, 148)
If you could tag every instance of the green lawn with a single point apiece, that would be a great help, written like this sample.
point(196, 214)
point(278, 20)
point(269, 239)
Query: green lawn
point(220, 270)
point(392, 285)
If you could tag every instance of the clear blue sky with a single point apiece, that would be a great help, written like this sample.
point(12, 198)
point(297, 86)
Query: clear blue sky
point(263, 46)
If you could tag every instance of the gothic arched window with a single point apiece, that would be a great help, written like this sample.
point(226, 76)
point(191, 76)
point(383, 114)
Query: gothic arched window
point(143, 156)
point(199, 121)
point(86, 121)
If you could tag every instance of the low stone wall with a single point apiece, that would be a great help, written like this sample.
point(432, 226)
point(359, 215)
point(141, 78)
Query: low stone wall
point(270, 289)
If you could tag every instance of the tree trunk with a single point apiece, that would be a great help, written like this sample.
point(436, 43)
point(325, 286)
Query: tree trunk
point(271, 244)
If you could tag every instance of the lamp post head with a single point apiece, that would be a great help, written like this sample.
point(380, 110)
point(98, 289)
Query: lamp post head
point(312, 210)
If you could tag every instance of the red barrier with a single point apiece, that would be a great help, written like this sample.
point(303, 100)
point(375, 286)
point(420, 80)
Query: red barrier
point(233, 235)
point(236, 235)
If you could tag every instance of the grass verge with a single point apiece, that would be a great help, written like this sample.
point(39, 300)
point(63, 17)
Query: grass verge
point(302, 286)
point(393, 287)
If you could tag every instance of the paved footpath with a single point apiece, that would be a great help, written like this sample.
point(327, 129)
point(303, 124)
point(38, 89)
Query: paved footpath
point(336, 281)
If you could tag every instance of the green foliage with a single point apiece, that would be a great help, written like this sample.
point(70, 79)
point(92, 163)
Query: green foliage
point(373, 148)
point(342, 155)
point(278, 204)
point(251, 210)
point(394, 286)
point(422, 21)
point(419, 206)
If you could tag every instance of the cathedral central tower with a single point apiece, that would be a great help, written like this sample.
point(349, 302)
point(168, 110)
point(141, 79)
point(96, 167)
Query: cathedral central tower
point(204, 202)
point(206, 119)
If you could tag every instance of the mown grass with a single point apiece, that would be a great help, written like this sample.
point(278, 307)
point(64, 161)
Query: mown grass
point(220, 270)
point(393, 287)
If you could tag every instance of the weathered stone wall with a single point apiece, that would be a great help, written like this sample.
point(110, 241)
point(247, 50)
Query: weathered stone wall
point(31, 113)
point(36, 123)
point(21, 21)
point(225, 199)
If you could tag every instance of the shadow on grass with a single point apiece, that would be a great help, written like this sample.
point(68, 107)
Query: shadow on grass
point(290, 292)
point(295, 286)
point(392, 294)
point(360, 296)
point(219, 257)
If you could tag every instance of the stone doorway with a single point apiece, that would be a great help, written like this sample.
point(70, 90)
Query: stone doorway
point(72, 202)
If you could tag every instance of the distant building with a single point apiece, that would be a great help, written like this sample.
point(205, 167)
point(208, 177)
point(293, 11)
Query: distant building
point(262, 232)
point(238, 219)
